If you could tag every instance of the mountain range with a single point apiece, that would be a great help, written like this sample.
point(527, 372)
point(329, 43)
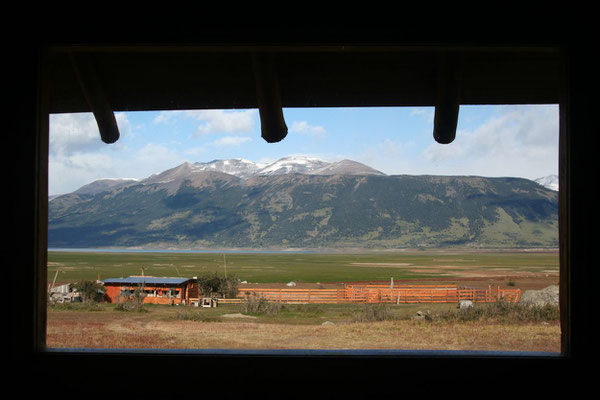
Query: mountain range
point(303, 202)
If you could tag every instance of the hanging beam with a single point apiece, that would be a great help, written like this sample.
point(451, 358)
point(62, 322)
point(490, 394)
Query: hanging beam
point(268, 95)
point(447, 101)
point(93, 91)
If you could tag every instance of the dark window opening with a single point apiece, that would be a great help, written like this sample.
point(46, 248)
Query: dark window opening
point(575, 117)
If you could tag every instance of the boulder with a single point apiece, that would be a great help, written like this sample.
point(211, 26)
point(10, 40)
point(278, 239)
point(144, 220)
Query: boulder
point(548, 295)
point(464, 304)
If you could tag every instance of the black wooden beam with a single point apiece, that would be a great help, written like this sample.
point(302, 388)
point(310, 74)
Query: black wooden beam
point(95, 96)
point(447, 103)
point(268, 96)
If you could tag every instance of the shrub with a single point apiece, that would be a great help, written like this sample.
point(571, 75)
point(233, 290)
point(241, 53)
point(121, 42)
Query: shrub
point(83, 306)
point(134, 302)
point(499, 311)
point(374, 312)
point(305, 310)
point(195, 316)
point(259, 305)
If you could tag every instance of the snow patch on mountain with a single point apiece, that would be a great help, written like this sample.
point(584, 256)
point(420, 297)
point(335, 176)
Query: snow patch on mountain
point(550, 182)
point(239, 167)
point(293, 164)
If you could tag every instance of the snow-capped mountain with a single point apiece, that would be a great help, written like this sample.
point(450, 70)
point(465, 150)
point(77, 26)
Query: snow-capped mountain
point(550, 182)
point(244, 169)
point(293, 164)
point(188, 207)
point(204, 172)
point(239, 167)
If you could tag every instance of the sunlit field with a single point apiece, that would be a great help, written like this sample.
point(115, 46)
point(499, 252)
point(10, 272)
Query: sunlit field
point(309, 326)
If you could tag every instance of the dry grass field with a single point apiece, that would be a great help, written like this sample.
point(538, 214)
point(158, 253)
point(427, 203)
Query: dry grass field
point(165, 327)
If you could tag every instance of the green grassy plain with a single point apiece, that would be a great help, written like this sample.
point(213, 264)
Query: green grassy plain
point(298, 267)
point(298, 326)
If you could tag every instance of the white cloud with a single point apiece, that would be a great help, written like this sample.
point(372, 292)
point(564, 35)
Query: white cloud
point(232, 141)
point(389, 156)
point(156, 154)
point(73, 133)
point(436, 152)
point(518, 141)
point(426, 112)
point(223, 121)
point(302, 127)
point(76, 153)
point(195, 151)
point(164, 117)
point(70, 173)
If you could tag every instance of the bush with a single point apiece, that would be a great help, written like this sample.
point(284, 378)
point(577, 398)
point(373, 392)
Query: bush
point(500, 311)
point(195, 316)
point(82, 306)
point(374, 312)
point(304, 310)
point(134, 302)
point(259, 305)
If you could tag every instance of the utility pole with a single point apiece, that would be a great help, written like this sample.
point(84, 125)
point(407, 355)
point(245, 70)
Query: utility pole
point(54, 280)
point(225, 265)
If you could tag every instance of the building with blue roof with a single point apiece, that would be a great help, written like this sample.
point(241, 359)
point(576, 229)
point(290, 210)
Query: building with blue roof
point(157, 290)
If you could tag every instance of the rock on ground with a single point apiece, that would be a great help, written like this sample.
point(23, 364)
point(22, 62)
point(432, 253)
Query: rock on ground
point(464, 304)
point(548, 295)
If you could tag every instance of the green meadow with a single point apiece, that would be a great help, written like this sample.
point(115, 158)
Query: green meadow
point(298, 267)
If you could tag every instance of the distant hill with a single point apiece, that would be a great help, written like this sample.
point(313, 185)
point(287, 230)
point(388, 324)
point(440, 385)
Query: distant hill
point(303, 202)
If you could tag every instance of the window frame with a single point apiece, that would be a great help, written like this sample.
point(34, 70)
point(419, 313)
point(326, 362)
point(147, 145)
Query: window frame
point(30, 219)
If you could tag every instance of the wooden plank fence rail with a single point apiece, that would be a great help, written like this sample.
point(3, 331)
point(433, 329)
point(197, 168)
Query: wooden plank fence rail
point(386, 294)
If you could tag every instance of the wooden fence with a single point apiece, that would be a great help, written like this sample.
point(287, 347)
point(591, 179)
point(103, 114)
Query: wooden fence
point(386, 294)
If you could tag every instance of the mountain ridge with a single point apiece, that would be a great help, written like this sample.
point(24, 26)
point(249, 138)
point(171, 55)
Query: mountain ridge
point(245, 169)
point(199, 207)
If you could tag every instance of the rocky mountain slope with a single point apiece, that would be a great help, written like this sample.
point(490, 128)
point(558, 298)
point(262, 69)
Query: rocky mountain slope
point(304, 202)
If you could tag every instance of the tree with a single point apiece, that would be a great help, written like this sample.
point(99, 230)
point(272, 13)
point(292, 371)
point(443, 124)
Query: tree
point(90, 290)
point(221, 286)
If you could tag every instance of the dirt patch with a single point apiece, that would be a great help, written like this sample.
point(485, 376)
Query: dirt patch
point(237, 315)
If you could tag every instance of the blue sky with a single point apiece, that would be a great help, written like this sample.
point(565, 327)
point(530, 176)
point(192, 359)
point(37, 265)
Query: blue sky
point(519, 141)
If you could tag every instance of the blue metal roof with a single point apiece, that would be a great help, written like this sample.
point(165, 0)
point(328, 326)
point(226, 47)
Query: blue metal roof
point(148, 280)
